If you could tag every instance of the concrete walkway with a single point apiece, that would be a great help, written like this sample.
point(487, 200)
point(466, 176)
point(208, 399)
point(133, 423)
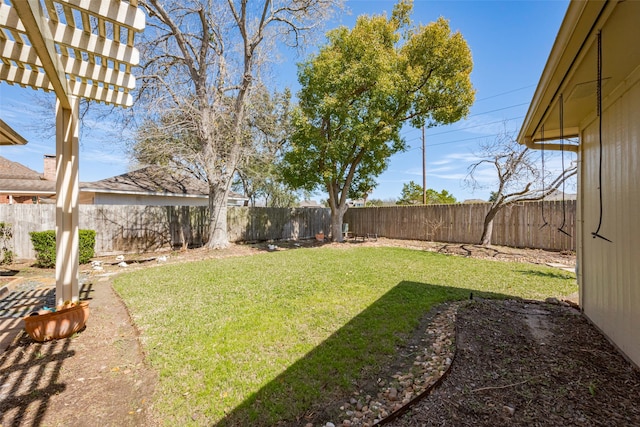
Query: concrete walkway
point(20, 297)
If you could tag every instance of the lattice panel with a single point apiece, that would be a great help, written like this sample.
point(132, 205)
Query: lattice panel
point(89, 45)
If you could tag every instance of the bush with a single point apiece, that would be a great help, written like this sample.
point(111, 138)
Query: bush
point(44, 243)
point(87, 245)
point(6, 234)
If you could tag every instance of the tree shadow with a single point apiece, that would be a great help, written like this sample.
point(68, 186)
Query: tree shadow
point(8, 272)
point(30, 371)
point(30, 377)
point(312, 389)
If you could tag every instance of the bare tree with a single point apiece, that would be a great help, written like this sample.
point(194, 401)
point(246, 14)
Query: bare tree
point(519, 177)
point(200, 60)
point(268, 127)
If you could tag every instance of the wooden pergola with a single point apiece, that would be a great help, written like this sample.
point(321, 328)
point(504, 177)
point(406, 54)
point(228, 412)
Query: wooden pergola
point(77, 49)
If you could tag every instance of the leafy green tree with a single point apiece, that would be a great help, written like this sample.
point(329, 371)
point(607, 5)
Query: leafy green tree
point(441, 198)
point(360, 89)
point(412, 195)
point(374, 203)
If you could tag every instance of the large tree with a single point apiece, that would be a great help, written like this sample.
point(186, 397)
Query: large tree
point(520, 176)
point(201, 60)
point(360, 89)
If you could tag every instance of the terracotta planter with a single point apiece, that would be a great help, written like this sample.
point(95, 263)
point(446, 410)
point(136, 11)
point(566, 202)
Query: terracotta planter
point(58, 324)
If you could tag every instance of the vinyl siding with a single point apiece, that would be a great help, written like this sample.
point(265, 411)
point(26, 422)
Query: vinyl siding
point(610, 272)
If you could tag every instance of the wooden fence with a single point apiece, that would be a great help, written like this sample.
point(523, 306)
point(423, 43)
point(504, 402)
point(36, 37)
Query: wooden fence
point(519, 225)
point(122, 228)
point(143, 228)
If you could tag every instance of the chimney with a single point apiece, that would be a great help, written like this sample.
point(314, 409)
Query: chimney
point(49, 167)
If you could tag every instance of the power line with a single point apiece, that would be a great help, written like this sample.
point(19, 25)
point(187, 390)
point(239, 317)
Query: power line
point(480, 114)
point(504, 93)
point(476, 126)
point(499, 109)
point(457, 140)
point(465, 128)
point(465, 139)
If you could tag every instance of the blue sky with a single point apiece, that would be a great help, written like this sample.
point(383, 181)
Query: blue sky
point(509, 40)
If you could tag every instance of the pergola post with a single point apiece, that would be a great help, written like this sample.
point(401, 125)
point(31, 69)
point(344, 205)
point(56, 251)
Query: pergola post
point(67, 190)
point(78, 49)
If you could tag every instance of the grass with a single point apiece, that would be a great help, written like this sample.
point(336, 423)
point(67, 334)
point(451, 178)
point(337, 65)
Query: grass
point(260, 339)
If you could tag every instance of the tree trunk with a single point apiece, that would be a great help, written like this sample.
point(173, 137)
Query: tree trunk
point(218, 236)
point(487, 229)
point(184, 215)
point(337, 216)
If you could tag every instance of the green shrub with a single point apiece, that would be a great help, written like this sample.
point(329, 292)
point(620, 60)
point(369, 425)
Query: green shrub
point(87, 244)
point(6, 257)
point(44, 243)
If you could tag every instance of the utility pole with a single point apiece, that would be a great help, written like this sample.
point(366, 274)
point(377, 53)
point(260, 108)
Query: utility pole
point(424, 170)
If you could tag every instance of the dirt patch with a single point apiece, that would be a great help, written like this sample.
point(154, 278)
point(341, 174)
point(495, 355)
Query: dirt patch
point(97, 377)
point(497, 253)
point(100, 377)
point(511, 370)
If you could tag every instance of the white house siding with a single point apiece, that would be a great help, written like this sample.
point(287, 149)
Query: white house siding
point(610, 277)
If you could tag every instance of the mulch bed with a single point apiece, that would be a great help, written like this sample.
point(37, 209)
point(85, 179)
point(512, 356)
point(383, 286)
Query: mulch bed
point(524, 363)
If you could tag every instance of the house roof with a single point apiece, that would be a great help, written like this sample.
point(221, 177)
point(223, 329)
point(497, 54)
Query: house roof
point(18, 179)
point(8, 136)
point(571, 71)
point(153, 180)
point(557, 195)
point(15, 170)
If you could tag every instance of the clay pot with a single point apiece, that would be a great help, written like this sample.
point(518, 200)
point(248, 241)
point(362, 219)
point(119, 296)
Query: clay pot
point(57, 324)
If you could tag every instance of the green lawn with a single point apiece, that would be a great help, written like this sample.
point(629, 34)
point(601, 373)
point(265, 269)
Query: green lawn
point(257, 339)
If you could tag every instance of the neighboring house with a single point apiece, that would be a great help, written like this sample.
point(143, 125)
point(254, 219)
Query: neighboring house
point(21, 185)
point(9, 170)
point(356, 203)
point(557, 195)
point(310, 204)
point(150, 186)
point(594, 70)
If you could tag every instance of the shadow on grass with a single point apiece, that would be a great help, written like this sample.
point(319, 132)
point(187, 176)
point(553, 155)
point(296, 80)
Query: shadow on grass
point(549, 274)
point(313, 388)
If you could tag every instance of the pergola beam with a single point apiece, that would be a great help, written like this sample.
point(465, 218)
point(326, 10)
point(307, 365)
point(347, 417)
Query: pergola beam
point(37, 29)
point(119, 13)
